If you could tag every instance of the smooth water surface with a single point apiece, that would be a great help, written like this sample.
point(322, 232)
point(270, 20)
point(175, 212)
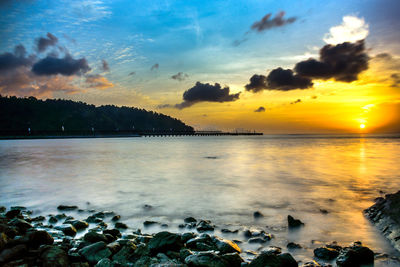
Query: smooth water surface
point(224, 179)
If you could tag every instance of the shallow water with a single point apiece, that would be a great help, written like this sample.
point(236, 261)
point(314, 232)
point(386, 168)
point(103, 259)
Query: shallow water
point(224, 179)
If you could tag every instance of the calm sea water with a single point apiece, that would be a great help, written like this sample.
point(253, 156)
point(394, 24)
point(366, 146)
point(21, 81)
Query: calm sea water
point(224, 179)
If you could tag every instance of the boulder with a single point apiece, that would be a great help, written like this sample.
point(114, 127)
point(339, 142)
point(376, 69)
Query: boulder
point(54, 256)
point(311, 264)
point(204, 225)
point(105, 263)
point(257, 215)
point(124, 254)
point(190, 220)
point(273, 260)
point(233, 259)
point(95, 252)
point(22, 225)
point(355, 255)
point(67, 229)
point(294, 223)
point(79, 225)
point(13, 213)
point(325, 253)
point(121, 225)
point(94, 237)
point(292, 245)
point(15, 252)
point(226, 246)
point(206, 259)
point(165, 241)
point(38, 238)
point(66, 207)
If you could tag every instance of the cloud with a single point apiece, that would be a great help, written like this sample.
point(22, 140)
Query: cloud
point(155, 67)
point(352, 30)
point(260, 109)
point(43, 43)
point(343, 62)
point(180, 76)
point(267, 22)
point(205, 92)
point(132, 73)
point(65, 66)
point(295, 102)
point(396, 79)
point(97, 81)
point(10, 61)
point(257, 83)
point(104, 65)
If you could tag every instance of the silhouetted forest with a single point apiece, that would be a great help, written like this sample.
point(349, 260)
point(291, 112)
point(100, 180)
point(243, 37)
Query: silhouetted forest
point(19, 114)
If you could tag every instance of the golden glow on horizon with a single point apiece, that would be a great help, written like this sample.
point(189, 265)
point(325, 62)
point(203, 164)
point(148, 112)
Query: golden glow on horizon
point(362, 126)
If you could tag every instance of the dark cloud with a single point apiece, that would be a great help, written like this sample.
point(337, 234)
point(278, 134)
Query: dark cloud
point(257, 83)
point(44, 42)
point(10, 61)
point(286, 80)
point(384, 56)
point(396, 79)
point(260, 109)
point(132, 73)
point(295, 102)
point(65, 66)
point(104, 65)
point(203, 92)
point(180, 76)
point(155, 67)
point(343, 62)
point(164, 106)
point(267, 22)
point(98, 81)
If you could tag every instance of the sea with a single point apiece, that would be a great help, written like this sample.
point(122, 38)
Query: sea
point(326, 181)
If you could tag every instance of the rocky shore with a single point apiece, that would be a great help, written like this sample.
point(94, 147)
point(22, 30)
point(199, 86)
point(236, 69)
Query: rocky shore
point(102, 240)
point(385, 214)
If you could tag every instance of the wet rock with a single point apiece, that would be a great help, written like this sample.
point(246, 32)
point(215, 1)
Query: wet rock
point(80, 264)
point(67, 229)
point(38, 238)
point(79, 225)
point(164, 241)
point(149, 223)
point(228, 231)
point(105, 263)
point(190, 220)
point(187, 236)
point(311, 264)
point(54, 256)
point(292, 245)
point(226, 246)
point(204, 225)
point(114, 232)
point(3, 240)
point(120, 225)
point(93, 219)
point(15, 252)
point(2, 209)
point(201, 242)
point(272, 250)
point(115, 218)
point(124, 254)
point(13, 213)
point(38, 219)
point(233, 259)
point(206, 259)
point(323, 211)
point(66, 207)
point(95, 252)
point(21, 208)
point(355, 255)
point(294, 223)
point(147, 207)
point(53, 220)
point(22, 225)
point(257, 215)
point(94, 237)
point(184, 253)
point(272, 260)
point(326, 253)
point(114, 247)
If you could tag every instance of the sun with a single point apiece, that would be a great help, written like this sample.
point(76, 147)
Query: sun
point(362, 126)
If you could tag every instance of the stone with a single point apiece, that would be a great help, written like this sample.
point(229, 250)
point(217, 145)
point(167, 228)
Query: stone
point(228, 231)
point(292, 245)
point(233, 259)
point(38, 238)
point(184, 253)
point(38, 219)
point(93, 219)
point(79, 225)
point(272, 260)
point(123, 255)
point(54, 256)
point(3, 240)
point(53, 220)
point(2, 209)
point(206, 259)
point(311, 264)
point(114, 247)
point(187, 236)
point(67, 229)
point(257, 215)
point(22, 225)
point(204, 225)
point(149, 223)
point(190, 220)
point(13, 213)
point(226, 246)
point(105, 263)
point(15, 252)
point(114, 232)
point(326, 253)
point(121, 225)
point(165, 241)
point(95, 252)
point(355, 256)
point(21, 208)
point(94, 237)
point(66, 207)
point(294, 223)
point(115, 218)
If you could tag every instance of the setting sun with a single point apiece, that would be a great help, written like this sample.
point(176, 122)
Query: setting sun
point(362, 126)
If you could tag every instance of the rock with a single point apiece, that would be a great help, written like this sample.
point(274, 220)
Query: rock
point(226, 246)
point(79, 225)
point(355, 256)
point(311, 264)
point(323, 211)
point(385, 214)
point(13, 213)
point(292, 245)
point(53, 220)
point(228, 231)
point(67, 229)
point(21, 208)
point(147, 207)
point(95, 252)
point(206, 259)
point(190, 220)
point(123, 255)
point(80, 264)
point(15, 252)
point(22, 225)
point(2, 209)
point(105, 263)
point(272, 250)
point(114, 232)
point(294, 223)
point(326, 253)
point(66, 207)
point(38, 219)
point(116, 218)
point(93, 219)
point(233, 259)
point(204, 225)
point(164, 241)
point(54, 256)
point(149, 223)
point(184, 253)
point(38, 238)
point(257, 240)
point(3, 240)
point(94, 237)
point(272, 260)
point(121, 225)
point(257, 215)
point(201, 242)
point(187, 236)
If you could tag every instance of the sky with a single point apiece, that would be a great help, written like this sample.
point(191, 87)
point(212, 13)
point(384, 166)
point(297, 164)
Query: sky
point(289, 66)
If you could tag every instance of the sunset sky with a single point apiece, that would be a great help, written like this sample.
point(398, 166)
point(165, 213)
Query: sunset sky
point(290, 66)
